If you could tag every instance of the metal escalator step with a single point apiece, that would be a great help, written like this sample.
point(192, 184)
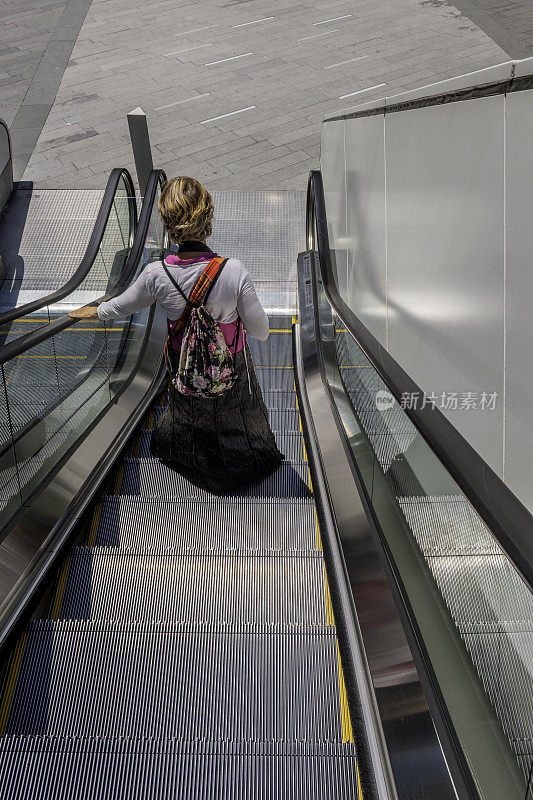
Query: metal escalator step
point(507, 653)
point(151, 478)
point(284, 419)
point(497, 599)
point(361, 379)
point(447, 525)
point(390, 421)
point(280, 399)
point(275, 378)
point(280, 419)
point(290, 444)
point(148, 769)
point(215, 682)
point(195, 586)
point(270, 523)
point(49, 227)
point(348, 351)
point(280, 322)
point(388, 446)
point(276, 351)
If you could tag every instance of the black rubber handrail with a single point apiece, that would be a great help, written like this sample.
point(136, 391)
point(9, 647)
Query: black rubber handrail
point(23, 343)
point(502, 512)
point(92, 249)
point(5, 126)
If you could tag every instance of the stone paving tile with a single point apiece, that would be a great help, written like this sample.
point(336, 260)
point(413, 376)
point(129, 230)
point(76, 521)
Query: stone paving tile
point(295, 75)
point(26, 28)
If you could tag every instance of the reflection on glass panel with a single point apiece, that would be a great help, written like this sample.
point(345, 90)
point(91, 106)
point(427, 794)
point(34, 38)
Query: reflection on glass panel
point(101, 278)
point(155, 237)
point(491, 606)
point(112, 255)
point(54, 391)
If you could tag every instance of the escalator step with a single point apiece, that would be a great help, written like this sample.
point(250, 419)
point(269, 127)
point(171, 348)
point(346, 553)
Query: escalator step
point(276, 351)
point(393, 420)
point(215, 682)
point(138, 769)
point(388, 446)
point(213, 586)
point(497, 598)
point(289, 443)
point(275, 378)
point(361, 379)
point(282, 399)
point(348, 351)
point(280, 321)
point(284, 419)
point(280, 419)
point(271, 523)
point(447, 525)
point(151, 478)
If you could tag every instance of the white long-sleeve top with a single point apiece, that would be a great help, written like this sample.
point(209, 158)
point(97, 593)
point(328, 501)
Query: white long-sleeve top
point(232, 295)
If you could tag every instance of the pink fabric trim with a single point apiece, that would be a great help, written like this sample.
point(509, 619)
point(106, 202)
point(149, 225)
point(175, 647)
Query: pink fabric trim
point(174, 261)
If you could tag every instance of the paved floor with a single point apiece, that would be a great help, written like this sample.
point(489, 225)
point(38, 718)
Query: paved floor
point(25, 33)
point(235, 90)
point(35, 51)
point(510, 24)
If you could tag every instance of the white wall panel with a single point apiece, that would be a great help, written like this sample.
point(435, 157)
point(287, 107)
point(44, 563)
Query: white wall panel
point(365, 227)
point(519, 296)
point(445, 256)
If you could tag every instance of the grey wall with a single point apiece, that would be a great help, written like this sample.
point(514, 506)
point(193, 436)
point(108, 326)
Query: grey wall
point(431, 218)
point(6, 171)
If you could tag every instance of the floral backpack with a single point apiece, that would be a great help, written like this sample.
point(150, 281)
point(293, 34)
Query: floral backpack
point(205, 365)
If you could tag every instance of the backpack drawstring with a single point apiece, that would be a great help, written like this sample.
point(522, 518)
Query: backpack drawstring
point(235, 345)
point(246, 362)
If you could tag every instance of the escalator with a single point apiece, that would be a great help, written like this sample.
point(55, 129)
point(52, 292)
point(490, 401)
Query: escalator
point(203, 655)
point(328, 632)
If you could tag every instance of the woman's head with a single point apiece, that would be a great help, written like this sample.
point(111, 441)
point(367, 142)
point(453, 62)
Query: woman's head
point(186, 209)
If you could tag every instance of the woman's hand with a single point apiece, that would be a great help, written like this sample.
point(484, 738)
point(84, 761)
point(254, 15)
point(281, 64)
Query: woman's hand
point(86, 312)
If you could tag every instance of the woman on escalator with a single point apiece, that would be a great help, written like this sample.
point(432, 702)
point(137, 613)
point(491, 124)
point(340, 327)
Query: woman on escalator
point(224, 441)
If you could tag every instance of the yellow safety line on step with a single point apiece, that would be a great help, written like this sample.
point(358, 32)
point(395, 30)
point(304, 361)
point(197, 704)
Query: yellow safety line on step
point(317, 529)
point(330, 619)
point(52, 356)
point(150, 420)
point(346, 724)
point(94, 525)
point(280, 330)
point(359, 789)
point(118, 480)
point(56, 608)
point(135, 447)
point(70, 330)
point(11, 682)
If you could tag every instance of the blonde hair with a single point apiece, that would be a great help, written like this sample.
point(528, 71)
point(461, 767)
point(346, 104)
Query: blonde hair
point(186, 209)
